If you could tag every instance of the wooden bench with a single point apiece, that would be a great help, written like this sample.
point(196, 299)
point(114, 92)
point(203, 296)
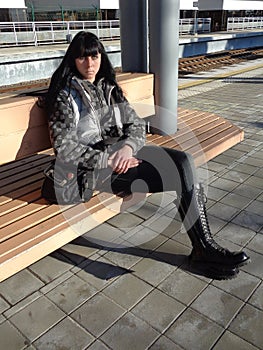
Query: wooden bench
point(31, 228)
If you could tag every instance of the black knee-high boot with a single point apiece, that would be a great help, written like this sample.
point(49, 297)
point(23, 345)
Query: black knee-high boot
point(218, 261)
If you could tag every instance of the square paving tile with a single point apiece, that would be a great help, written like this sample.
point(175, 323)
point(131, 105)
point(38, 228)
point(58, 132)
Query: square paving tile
point(235, 200)
point(182, 286)
point(236, 234)
point(257, 298)
point(236, 176)
point(130, 332)
point(125, 258)
point(98, 314)
point(255, 268)
point(225, 184)
point(144, 238)
point(248, 325)
point(71, 293)
point(249, 220)
point(245, 168)
point(152, 271)
point(145, 211)
point(256, 243)
point(233, 342)
point(172, 252)
point(241, 287)
point(194, 331)
point(20, 286)
point(79, 249)
point(223, 211)
point(125, 221)
point(247, 190)
point(217, 305)
point(255, 181)
point(11, 339)
point(67, 334)
point(127, 290)
point(36, 318)
point(51, 267)
point(158, 310)
point(164, 224)
point(101, 272)
point(104, 235)
point(256, 207)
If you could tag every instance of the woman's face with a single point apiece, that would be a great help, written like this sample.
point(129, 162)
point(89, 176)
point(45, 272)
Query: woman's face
point(88, 66)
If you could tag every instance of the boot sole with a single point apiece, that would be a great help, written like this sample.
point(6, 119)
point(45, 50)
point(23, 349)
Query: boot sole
point(219, 265)
point(213, 271)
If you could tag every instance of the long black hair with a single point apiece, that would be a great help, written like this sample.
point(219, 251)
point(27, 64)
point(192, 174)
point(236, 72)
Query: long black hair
point(83, 44)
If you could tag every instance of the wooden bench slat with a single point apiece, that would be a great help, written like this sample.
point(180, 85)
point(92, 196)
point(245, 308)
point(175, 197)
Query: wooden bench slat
point(55, 223)
point(21, 183)
point(198, 137)
point(20, 175)
point(20, 162)
point(36, 214)
point(20, 192)
point(188, 132)
point(20, 202)
point(216, 146)
point(39, 246)
point(20, 170)
point(20, 213)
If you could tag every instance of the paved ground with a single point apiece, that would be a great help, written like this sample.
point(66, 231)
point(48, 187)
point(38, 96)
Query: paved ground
point(85, 296)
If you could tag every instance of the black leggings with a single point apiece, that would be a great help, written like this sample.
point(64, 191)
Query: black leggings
point(161, 169)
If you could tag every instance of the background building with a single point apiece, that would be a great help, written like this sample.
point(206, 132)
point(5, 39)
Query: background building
point(14, 12)
point(68, 10)
point(220, 10)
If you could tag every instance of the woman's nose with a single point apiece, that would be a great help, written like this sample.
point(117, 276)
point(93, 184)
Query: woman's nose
point(89, 61)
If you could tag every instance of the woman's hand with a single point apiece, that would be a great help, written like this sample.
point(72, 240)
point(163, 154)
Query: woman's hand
point(122, 160)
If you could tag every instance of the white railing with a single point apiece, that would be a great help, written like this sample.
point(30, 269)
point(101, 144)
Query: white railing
point(244, 23)
point(40, 33)
point(37, 33)
point(192, 25)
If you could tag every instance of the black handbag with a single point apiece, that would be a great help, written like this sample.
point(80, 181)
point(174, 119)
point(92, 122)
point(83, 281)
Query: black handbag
point(65, 184)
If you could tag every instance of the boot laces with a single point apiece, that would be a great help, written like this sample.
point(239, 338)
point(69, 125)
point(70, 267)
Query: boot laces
point(201, 200)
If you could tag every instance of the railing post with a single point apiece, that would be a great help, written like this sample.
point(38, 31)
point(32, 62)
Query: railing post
point(97, 29)
point(52, 32)
point(14, 27)
point(34, 33)
point(110, 30)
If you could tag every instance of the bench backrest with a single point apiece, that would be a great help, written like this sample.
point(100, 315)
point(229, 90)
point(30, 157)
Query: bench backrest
point(24, 128)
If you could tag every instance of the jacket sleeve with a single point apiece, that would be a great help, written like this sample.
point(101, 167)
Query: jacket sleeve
point(67, 144)
point(133, 127)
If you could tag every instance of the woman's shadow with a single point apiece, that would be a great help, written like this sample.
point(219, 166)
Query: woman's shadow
point(107, 270)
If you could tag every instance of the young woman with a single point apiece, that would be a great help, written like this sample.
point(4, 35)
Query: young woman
point(94, 128)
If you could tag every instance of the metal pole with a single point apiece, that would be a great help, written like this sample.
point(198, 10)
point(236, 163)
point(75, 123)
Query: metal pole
point(195, 24)
point(134, 35)
point(164, 44)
